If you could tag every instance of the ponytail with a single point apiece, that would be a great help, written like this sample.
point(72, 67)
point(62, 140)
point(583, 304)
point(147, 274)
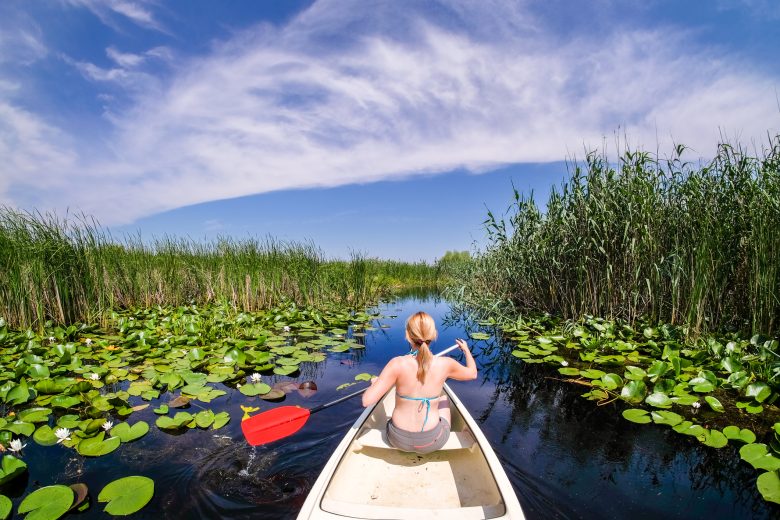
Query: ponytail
point(421, 329)
point(424, 357)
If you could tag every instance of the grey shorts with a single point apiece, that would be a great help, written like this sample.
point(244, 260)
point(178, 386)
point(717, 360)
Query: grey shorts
point(418, 442)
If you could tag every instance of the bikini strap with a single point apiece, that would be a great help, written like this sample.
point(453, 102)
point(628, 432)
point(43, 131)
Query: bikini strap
point(426, 400)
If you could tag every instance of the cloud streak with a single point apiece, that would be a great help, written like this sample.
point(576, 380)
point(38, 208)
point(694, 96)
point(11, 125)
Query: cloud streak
point(426, 91)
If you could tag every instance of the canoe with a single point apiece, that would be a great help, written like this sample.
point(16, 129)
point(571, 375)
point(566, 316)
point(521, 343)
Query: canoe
point(367, 478)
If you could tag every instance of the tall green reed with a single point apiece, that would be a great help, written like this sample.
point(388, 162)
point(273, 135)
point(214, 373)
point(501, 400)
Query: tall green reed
point(644, 237)
point(71, 269)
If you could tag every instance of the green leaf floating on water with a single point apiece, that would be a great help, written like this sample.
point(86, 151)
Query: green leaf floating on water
point(634, 392)
point(5, 507)
point(204, 418)
point(98, 445)
point(714, 403)
point(592, 373)
point(688, 428)
point(35, 415)
point(180, 420)
point(636, 415)
point(127, 433)
point(758, 391)
point(162, 410)
point(769, 486)
point(127, 495)
point(365, 376)
point(758, 456)
point(10, 468)
point(44, 436)
point(666, 417)
point(285, 370)
point(479, 336)
point(744, 435)
point(715, 439)
point(569, 371)
point(659, 400)
point(253, 389)
point(220, 420)
point(47, 503)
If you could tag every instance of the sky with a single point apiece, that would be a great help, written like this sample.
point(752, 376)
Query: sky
point(386, 128)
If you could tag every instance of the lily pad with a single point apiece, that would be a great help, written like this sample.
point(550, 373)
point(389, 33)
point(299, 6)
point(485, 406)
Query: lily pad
point(127, 495)
point(307, 389)
point(659, 400)
point(714, 403)
point(253, 389)
point(285, 370)
point(81, 492)
point(365, 376)
point(758, 456)
point(44, 436)
point(47, 503)
point(204, 418)
point(758, 391)
point(97, 446)
point(162, 410)
point(769, 486)
point(5, 507)
point(715, 439)
point(636, 415)
point(10, 468)
point(479, 336)
point(634, 392)
point(744, 435)
point(666, 417)
point(127, 433)
point(569, 371)
point(220, 420)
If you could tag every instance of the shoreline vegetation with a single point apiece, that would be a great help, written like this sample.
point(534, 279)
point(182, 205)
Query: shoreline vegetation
point(72, 270)
point(655, 283)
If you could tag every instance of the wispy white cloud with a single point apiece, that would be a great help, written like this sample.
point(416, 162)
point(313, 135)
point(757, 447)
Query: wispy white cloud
point(138, 12)
point(350, 92)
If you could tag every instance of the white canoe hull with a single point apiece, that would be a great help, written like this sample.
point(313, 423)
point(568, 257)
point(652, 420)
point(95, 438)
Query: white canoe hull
point(365, 478)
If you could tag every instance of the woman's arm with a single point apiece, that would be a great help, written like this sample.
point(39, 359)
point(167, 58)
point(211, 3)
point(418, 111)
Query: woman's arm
point(383, 383)
point(458, 371)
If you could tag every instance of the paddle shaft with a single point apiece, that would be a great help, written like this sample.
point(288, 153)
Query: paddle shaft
point(355, 394)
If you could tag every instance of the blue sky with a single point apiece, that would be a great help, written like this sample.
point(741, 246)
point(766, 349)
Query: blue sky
point(384, 127)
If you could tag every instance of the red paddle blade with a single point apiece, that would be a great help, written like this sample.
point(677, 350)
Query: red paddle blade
point(274, 424)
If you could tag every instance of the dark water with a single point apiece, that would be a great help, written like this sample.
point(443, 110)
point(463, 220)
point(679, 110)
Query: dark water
point(566, 457)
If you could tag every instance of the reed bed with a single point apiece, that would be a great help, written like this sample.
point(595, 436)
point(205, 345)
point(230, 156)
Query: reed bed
point(651, 238)
point(71, 270)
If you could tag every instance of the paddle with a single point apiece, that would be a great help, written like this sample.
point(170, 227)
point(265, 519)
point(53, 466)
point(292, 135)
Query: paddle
point(284, 421)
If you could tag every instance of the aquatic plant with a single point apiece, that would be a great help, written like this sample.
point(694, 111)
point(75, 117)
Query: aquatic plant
point(643, 238)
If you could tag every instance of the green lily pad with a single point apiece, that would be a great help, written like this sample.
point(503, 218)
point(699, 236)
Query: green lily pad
point(363, 377)
point(127, 433)
point(569, 371)
point(666, 417)
point(5, 507)
point(714, 403)
point(758, 456)
point(758, 391)
point(285, 370)
point(659, 400)
point(694, 430)
point(162, 410)
point(634, 392)
point(97, 446)
point(220, 420)
point(44, 436)
point(35, 415)
point(769, 486)
point(479, 336)
point(10, 468)
point(592, 373)
point(253, 389)
point(47, 503)
point(703, 388)
point(634, 373)
point(65, 401)
point(744, 435)
point(20, 428)
point(636, 415)
point(127, 495)
point(715, 439)
point(204, 418)
point(179, 420)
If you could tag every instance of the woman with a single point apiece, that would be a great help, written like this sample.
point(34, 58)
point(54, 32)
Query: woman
point(421, 418)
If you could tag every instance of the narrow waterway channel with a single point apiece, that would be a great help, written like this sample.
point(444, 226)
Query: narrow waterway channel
point(566, 457)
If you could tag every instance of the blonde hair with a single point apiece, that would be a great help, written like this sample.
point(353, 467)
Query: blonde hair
point(421, 328)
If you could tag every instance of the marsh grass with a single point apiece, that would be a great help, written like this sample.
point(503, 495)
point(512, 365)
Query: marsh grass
point(665, 240)
point(71, 269)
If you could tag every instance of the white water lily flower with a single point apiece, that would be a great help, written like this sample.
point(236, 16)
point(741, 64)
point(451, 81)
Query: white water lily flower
point(88, 341)
point(696, 405)
point(286, 328)
point(255, 378)
point(62, 434)
point(94, 377)
point(107, 425)
point(565, 363)
point(52, 339)
point(16, 445)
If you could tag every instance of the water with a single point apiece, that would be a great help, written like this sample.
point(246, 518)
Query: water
point(566, 457)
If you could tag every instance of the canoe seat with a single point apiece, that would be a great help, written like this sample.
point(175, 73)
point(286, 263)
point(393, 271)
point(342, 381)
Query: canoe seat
point(376, 438)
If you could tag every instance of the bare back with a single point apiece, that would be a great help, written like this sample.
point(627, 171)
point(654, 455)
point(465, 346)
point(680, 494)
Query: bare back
point(410, 414)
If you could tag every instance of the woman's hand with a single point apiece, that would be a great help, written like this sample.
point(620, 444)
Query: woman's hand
point(462, 344)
